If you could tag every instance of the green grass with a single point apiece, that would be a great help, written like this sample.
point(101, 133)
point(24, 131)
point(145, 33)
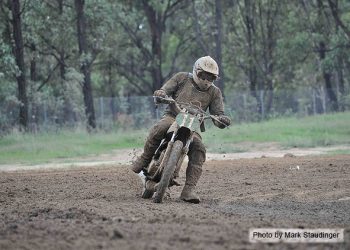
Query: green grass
point(322, 130)
point(43, 147)
point(312, 131)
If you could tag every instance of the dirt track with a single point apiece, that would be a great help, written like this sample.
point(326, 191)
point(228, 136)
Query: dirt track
point(101, 208)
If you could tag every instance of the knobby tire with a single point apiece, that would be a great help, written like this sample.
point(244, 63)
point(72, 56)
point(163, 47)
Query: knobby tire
point(168, 171)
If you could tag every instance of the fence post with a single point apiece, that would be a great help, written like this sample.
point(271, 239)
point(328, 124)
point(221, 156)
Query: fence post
point(244, 106)
point(314, 101)
point(262, 104)
point(324, 100)
point(101, 110)
point(45, 114)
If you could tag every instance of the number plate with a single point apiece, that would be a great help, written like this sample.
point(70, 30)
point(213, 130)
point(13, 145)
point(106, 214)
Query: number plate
point(188, 121)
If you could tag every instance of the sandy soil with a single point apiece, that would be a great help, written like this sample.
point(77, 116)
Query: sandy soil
point(126, 156)
point(101, 208)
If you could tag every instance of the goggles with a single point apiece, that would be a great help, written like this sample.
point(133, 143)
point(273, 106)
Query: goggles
point(207, 76)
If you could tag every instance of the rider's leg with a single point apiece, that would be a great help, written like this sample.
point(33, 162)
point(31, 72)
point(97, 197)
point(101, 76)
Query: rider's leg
point(196, 157)
point(156, 134)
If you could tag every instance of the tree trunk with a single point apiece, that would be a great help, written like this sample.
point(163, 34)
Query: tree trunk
point(252, 70)
point(322, 50)
point(33, 78)
point(327, 76)
point(111, 89)
point(218, 41)
point(60, 6)
point(33, 73)
point(19, 55)
point(85, 65)
point(155, 19)
point(68, 114)
point(270, 94)
point(270, 65)
point(341, 81)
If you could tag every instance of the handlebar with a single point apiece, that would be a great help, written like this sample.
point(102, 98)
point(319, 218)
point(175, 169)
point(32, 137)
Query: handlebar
point(177, 105)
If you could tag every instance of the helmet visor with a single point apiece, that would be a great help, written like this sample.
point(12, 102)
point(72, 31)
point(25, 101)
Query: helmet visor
point(206, 76)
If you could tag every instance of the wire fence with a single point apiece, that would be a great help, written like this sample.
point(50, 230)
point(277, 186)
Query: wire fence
point(136, 112)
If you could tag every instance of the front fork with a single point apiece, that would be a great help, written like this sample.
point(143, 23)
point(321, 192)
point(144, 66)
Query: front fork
point(183, 155)
point(184, 152)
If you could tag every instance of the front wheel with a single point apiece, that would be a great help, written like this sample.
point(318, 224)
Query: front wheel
point(168, 171)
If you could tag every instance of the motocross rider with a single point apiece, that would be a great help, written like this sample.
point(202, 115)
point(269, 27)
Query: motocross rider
point(196, 88)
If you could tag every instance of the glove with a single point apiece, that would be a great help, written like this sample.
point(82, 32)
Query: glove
point(225, 121)
point(159, 93)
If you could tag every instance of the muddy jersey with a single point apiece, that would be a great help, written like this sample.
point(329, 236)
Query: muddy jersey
point(182, 88)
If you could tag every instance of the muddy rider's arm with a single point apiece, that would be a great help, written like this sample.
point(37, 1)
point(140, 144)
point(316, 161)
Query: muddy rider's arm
point(216, 106)
point(172, 85)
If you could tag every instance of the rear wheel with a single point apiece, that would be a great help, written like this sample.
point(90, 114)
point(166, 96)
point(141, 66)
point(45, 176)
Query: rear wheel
point(168, 171)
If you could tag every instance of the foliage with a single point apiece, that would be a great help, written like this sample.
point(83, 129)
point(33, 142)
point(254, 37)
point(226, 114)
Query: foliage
point(268, 46)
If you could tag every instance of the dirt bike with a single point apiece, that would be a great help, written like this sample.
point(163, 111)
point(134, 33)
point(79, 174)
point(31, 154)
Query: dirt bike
point(170, 154)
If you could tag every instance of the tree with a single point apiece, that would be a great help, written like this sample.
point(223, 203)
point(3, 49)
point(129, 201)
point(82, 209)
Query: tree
point(208, 29)
point(18, 49)
point(321, 30)
point(85, 62)
point(341, 53)
point(72, 49)
point(333, 4)
point(259, 25)
point(322, 50)
point(151, 43)
point(218, 42)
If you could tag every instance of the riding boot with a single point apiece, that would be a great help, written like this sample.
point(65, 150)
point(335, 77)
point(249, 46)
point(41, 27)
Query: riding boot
point(145, 159)
point(193, 173)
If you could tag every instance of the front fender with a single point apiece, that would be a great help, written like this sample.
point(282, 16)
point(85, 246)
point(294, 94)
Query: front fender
point(182, 133)
point(173, 128)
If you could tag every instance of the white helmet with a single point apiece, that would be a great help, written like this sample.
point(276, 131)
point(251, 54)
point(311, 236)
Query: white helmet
point(205, 71)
